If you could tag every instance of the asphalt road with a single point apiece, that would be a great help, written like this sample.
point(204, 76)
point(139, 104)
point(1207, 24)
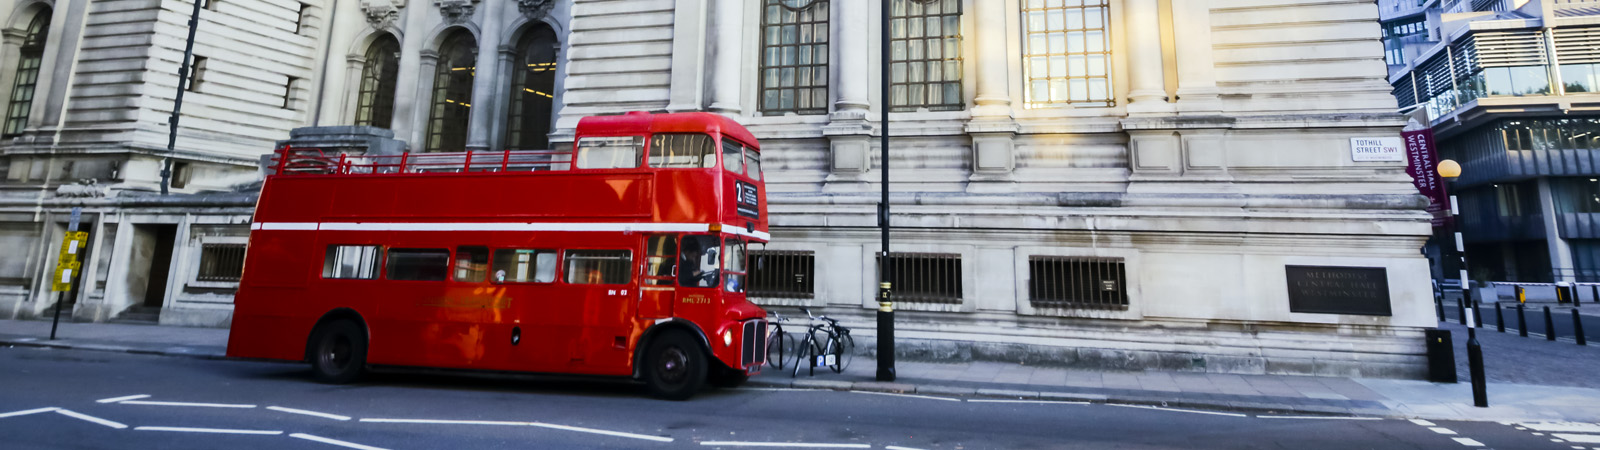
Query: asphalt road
point(52, 399)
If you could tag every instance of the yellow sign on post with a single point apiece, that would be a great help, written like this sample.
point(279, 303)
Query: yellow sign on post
point(67, 262)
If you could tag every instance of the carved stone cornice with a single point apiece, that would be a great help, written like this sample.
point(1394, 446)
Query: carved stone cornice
point(456, 11)
point(381, 14)
point(535, 9)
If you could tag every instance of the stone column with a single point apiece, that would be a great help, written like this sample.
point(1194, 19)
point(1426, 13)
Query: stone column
point(686, 91)
point(502, 90)
point(350, 100)
point(992, 127)
point(848, 131)
point(1197, 80)
point(1146, 79)
point(484, 79)
point(727, 39)
point(410, 97)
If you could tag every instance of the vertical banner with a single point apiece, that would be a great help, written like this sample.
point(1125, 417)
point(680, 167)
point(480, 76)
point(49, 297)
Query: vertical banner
point(1422, 163)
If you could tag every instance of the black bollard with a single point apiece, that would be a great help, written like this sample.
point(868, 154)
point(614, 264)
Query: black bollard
point(1499, 318)
point(1549, 326)
point(1480, 391)
point(1438, 303)
point(1522, 322)
point(1477, 313)
point(1461, 307)
point(1577, 329)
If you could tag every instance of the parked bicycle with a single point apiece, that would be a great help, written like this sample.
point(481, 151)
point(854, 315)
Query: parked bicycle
point(834, 349)
point(780, 344)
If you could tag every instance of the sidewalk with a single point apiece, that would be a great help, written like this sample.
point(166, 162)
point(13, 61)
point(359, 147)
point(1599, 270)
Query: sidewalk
point(1511, 400)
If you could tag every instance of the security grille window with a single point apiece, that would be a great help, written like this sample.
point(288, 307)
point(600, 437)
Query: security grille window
point(197, 73)
point(599, 266)
point(926, 47)
point(682, 151)
point(1068, 53)
point(1077, 282)
point(452, 93)
point(413, 264)
point(524, 266)
point(221, 262)
point(533, 90)
point(472, 264)
point(27, 74)
point(375, 102)
point(794, 57)
point(924, 277)
point(352, 262)
point(782, 274)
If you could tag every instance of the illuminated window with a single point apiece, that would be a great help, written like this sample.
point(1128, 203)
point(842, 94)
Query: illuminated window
point(27, 73)
point(524, 266)
point(794, 57)
point(472, 264)
point(375, 102)
point(926, 47)
point(1068, 53)
point(452, 93)
point(533, 90)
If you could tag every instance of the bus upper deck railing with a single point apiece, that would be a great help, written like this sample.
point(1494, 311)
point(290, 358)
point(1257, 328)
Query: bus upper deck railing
point(314, 161)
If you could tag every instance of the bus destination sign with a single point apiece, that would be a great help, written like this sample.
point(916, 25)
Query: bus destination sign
point(1338, 290)
point(748, 198)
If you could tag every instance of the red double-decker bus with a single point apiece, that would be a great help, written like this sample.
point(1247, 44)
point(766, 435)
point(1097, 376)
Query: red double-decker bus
point(624, 256)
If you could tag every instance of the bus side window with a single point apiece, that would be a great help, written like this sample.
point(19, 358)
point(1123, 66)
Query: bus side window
point(698, 261)
point(599, 266)
point(418, 264)
point(615, 152)
point(752, 162)
point(524, 266)
point(731, 158)
point(682, 151)
point(355, 262)
point(661, 264)
point(472, 264)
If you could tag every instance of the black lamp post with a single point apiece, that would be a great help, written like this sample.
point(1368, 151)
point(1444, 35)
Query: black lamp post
point(1480, 396)
point(177, 103)
point(885, 302)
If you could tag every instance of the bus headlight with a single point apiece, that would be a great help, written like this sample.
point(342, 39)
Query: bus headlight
point(727, 338)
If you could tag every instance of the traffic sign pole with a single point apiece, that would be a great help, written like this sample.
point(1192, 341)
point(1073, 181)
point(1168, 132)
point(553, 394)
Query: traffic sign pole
point(66, 264)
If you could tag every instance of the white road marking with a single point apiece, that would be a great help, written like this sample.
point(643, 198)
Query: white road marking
point(1468, 442)
point(892, 394)
point(1570, 427)
point(334, 442)
point(525, 424)
point(1040, 402)
point(81, 416)
point(1442, 430)
point(772, 389)
point(1422, 422)
point(780, 444)
point(896, 447)
point(309, 413)
point(1178, 410)
point(1579, 438)
point(1319, 417)
point(202, 405)
point(210, 430)
point(27, 412)
point(118, 399)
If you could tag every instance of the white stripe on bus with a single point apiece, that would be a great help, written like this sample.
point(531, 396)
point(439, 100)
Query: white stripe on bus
point(503, 226)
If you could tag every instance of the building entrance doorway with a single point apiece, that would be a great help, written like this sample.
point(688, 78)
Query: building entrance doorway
point(150, 263)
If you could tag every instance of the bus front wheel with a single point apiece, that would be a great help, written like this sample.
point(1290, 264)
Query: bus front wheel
point(338, 352)
point(675, 367)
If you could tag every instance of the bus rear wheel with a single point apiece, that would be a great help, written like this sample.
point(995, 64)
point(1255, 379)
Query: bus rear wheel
point(338, 352)
point(675, 367)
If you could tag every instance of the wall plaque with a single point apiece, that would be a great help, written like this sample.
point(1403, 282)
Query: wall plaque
point(1338, 290)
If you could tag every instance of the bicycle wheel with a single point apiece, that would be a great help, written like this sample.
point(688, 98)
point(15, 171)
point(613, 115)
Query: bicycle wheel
point(802, 352)
point(779, 346)
point(844, 351)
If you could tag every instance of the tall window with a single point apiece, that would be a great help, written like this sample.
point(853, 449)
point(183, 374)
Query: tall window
point(27, 74)
point(926, 46)
point(533, 88)
point(1068, 53)
point(794, 57)
point(375, 103)
point(452, 93)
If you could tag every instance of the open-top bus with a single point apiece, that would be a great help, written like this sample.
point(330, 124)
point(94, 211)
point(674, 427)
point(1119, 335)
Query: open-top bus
point(623, 256)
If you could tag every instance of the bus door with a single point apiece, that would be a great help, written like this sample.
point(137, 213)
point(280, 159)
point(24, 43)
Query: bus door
point(603, 278)
point(698, 273)
point(659, 286)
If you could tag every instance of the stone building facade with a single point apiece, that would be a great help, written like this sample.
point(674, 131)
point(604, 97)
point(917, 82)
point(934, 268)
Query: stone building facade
point(1119, 183)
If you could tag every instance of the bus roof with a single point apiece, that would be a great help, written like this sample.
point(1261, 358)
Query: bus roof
point(640, 122)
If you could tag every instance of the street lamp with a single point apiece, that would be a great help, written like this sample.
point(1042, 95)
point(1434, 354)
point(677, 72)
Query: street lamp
point(1450, 170)
point(885, 299)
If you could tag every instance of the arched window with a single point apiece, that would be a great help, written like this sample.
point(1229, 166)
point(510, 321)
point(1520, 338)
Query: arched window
point(27, 74)
point(452, 93)
point(375, 104)
point(533, 87)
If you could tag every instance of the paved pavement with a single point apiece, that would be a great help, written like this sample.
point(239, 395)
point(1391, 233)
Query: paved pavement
point(1529, 379)
point(67, 398)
